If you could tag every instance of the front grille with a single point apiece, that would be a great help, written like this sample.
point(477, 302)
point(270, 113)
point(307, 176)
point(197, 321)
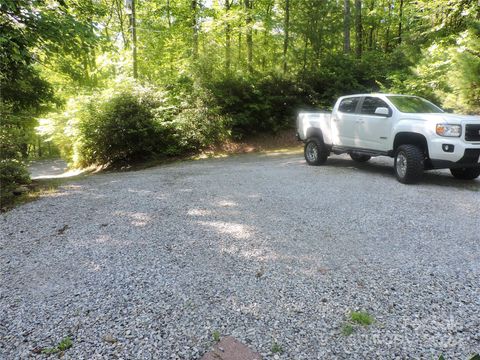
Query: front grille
point(472, 132)
point(470, 157)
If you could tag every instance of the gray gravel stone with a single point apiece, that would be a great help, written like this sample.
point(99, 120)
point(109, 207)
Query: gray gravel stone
point(149, 264)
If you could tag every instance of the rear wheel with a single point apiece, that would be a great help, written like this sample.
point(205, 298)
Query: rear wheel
point(315, 152)
point(466, 173)
point(359, 157)
point(409, 164)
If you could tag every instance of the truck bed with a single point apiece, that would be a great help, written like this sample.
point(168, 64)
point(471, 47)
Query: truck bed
point(313, 120)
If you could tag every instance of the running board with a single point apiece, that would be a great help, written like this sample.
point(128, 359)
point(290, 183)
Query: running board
point(343, 149)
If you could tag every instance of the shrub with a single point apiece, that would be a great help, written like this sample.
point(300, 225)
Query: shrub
point(266, 104)
point(12, 174)
point(115, 130)
point(14, 130)
point(132, 123)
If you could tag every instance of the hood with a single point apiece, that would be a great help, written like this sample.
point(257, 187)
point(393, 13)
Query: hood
point(448, 118)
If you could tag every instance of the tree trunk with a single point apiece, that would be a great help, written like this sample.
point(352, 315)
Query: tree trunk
point(285, 40)
point(346, 27)
point(358, 28)
point(387, 32)
point(194, 30)
point(248, 21)
point(228, 46)
point(400, 16)
point(266, 32)
point(305, 48)
point(371, 28)
point(239, 57)
point(169, 18)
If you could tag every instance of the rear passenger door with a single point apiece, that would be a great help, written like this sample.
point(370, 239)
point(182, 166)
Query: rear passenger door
point(343, 122)
point(373, 130)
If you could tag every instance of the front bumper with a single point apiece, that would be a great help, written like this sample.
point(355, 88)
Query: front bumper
point(445, 152)
point(470, 159)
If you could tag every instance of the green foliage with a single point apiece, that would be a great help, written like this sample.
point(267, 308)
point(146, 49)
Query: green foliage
point(347, 329)
point(216, 336)
point(464, 74)
point(276, 348)
point(14, 133)
point(115, 130)
point(12, 174)
point(267, 104)
point(131, 123)
point(361, 317)
point(63, 345)
point(218, 70)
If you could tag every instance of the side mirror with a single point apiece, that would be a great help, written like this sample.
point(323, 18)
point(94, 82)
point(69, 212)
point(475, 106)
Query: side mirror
point(382, 111)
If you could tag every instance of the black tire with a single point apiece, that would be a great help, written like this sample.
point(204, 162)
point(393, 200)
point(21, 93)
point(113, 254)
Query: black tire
point(409, 164)
point(466, 173)
point(359, 157)
point(315, 152)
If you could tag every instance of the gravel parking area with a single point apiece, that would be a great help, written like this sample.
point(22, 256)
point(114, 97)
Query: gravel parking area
point(149, 264)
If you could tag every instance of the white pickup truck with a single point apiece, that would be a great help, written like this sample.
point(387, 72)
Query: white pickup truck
point(416, 133)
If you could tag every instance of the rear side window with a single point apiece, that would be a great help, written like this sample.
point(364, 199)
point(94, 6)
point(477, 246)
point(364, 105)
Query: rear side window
point(348, 105)
point(370, 104)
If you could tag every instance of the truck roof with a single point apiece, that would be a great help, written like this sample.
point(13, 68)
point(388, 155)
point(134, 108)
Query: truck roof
point(374, 94)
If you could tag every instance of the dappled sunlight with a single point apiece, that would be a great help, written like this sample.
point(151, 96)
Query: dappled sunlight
point(140, 192)
point(103, 239)
point(199, 212)
point(67, 174)
point(93, 266)
point(237, 231)
point(226, 203)
point(282, 152)
point(256, 253)
point(54, 194)
point(136, 218)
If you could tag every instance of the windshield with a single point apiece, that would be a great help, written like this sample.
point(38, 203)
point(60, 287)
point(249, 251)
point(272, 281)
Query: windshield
point(413, 104)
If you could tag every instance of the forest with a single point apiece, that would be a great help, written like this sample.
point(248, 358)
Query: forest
point(111, 82)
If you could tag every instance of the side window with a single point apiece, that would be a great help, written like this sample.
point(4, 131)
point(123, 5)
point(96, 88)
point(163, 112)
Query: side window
point(370, 104)
point(348, 105)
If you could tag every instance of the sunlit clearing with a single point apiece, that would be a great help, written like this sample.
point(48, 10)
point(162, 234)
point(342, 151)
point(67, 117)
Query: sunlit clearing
point(138, 219)
point(226, 203)
point(198, 212)
point(238, 231)
point(67, 174)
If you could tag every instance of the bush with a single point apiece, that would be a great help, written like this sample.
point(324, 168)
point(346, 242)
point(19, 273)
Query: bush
point(14, 129)
point(131, 123)
point(12, 174)
point(116, 130)
point(267, 104)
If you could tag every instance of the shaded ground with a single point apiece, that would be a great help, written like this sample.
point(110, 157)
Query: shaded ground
point(149, 264)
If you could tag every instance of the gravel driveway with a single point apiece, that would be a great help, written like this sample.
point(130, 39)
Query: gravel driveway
point(149, 264)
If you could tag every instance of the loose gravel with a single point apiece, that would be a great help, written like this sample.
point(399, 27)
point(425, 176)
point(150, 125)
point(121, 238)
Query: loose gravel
point(148, 264)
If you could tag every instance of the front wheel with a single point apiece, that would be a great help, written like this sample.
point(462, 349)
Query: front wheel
point(315, 152)
point(409, 164)
point(466, 173)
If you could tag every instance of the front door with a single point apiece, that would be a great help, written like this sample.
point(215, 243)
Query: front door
point(373, 130)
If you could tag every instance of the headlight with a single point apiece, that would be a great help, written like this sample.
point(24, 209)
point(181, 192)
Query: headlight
point(449, 130)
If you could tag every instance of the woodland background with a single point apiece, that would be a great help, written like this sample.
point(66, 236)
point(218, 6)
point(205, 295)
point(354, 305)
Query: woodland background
point(207, 71)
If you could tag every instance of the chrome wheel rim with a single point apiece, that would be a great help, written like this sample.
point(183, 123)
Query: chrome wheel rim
point(401, 164)
point(312, 152)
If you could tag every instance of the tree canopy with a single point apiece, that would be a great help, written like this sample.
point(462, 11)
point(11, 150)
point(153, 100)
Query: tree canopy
point(249, 64)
